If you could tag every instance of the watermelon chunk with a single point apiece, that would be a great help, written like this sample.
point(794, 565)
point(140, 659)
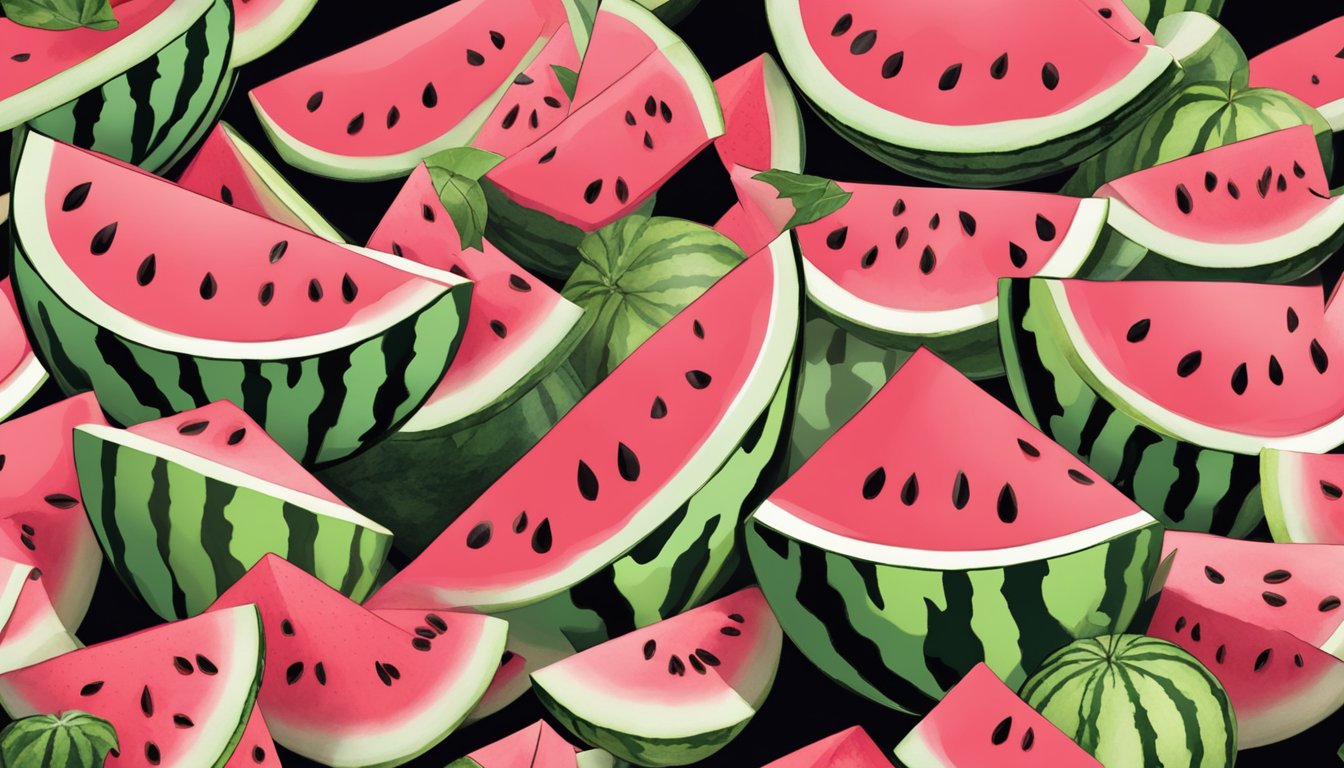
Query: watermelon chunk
point(672, 693)
point(1258, 209)
point(932, 89)
point(1174, 408)
point(535, 746)
point(326, 346)
point(707, 388)
point(850, 748)
point(886, 609)
point(1300, 491)
point(763, 127)
point(21, 373)
point(230, 170)
point(187, 504)
point(1308, 67)
point(963, 732)
point(347, 688)
point(261, 25)
point(178, 694)
point(537, 100)
point(255, 748)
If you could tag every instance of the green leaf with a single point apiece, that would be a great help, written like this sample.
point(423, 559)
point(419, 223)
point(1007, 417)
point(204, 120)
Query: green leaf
point(60, 14)
point(468, 162)
point(813, 197)
point(568, 78)
point(71, 739)
point(464, 200)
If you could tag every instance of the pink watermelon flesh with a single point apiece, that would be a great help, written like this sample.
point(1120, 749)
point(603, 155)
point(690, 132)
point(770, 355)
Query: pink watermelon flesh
point(746, 109)
point(219, 172)
point(937, 62)
point(535, 103)
point(32, 632)
point(671, 384)
point(981, 722)
point(178, 694)
point(256, 747)
point(617, 45)
point(759, 215)
point(908, 450)
point(1295, 588)
point(21, 373)
point(536, 746)
point(1122, 20)
point(232, 276)
point(1191, 360)
point(1309, 67)
point(1279, 685)
point(850, 748)
point(1247, 191)
point(924, 248)
point(605, 159)
point(346, 687)
point(406, 88)
point(1311, 486)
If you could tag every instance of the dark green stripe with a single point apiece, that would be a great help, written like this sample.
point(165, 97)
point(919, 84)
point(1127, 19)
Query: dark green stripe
point(189, 379)
point(107, 508)
point(1182, 492)
point(302, 533)
point(1039, 632)
point(87, 111)
point(1039, 380)
point(160, 515)
point(354, 567)
point(326, 414)
point(398, 349)
point(600, 594)
point(256, 391)
point(61, 366)
point(197, 42)
point(118, 357)
point(217, 533)
point(1131, 462)
point(1097, 418)
point(693, 560)
point(1243, 484)
point(140, 85)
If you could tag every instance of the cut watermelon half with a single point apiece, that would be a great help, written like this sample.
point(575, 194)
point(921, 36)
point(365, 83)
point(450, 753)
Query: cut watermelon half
point(347, 688)
point(326, 346)
point(886, 553)
point(905, 266)
point(228, 169)
point(178, 694)
point(1174, 407)
point(704, 388)
point(850, 748)
point(1301, 492)
point(1258, 209)
point(931, 89)
point(23, 373)
point(261, 25)
point(1308, 67)
point(763, 127)
point(1279, 685)
point(185, 505)
point(536, 746)
point(255, 749)
point(673, 693)
point(536, 102)
point(518, 331)
point(376, 110)
point(963, 732)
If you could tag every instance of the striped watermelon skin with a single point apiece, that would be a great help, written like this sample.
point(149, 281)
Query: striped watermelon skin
point(152, 113)
point(1186, 486)
point(904, 636)
point(1135, 700)
point(320, 408)
point(1152, 11)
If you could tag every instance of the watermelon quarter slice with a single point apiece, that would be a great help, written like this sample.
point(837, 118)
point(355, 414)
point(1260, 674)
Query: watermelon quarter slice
point(1308, 67)
point(327, 347)
point(886, 553)
point(261, 25)
point(179, 694)
point(1258, 209)
point(1173, 388)
point(187, 504)
point(963, 732)
point(1301, 493)
point(673, 693)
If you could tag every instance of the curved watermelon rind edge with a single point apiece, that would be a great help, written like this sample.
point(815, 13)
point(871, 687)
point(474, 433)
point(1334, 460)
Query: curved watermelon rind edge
point(275, 27)
point(280, 187)
point(1283, 484)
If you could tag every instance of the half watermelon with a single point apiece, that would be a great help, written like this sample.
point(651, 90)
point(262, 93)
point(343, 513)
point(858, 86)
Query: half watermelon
point(1309, 67)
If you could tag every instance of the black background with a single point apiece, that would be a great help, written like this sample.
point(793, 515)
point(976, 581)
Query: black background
point(804, 705)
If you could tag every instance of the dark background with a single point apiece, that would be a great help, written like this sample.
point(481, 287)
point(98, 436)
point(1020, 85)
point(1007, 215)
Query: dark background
point(804, 706)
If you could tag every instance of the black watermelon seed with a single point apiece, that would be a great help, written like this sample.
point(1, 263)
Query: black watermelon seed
point(145, 274)
point(1275, 371)
point(1028, 739)
point(891, 66)
point(934, 221)
point(552, 102)
point(1028, 448)
point(430, 96)
point(1315, 79)
point(588, 485)
point(863, 42)
point(1050, 76)
point(622, 190)
point(1180, 623)
point(697, 329)
point(1328, 604)
point(2, 461)
point(193, 428)
point(1194, 632)
point(182, 665)
point(1183, 201)
point(967, 223)
point(266, 294)
point(961, 490)
point(1318, 357)
point(872, 484)
point(1220, 654)
point(28, 542)
point(355, 125)
point(869, 258)
point(294, 672)
point(730, 631)
point(314, 101)
point(182, 721)
point(436, 621)
point(836, 239)
point(1106, 13)
point(1274, 599)
point(76, 196)
point(696, 664)
point(902, 237)
point(474, 59)
point(910, 491)
point(21, 57)
point(949, 78)
point(382, 673)
point(659, 408)
point(91, 688)
point(698, 379)
point(1262, 659)
point(1189, 364)
point(28, 529)
point(1262, 186)
point(520, 522)
point(457, 270)
point(152, 753)
point(675, 666)
point(1240, 379)
point(898, 207)
point(1331, 491)
point(532, 119)
point(1213, 575)
point(393, 116)
point(1080, 478)
point(348, 289)
point(287, 627)
point(592, 191)
point(842, 25)
point(391, 670)
point(61, 500)
point(146, 702)
point(1138, 331)
point(1297, 660)
point(627, 463)
point(278, 251)
point(497, 40)
point(510, 117)
point(1298, 171)
point(1281, 184)
point(226, 194)
point(736, 617)
point(707, 657)
point(1210, 181)
point(479, 535)
point(320, 673)
point(427, 213)
point(1045, 228)
point(206, 666)
point(102, 239)
point(1001, 731)
point(209, 287)
point(517, 283)
point(1292, 320)
point(1277, 576)
point(999, 69)
point(1007, 504)
point(648, 140)
point(927, 260)
point(499, 328)
point(1233, 190)
point(1017, 255)
point(420, 644)
point(665, 111)
point(650, 106)
point(314, 290)
point(258, 754)
point(650, 648)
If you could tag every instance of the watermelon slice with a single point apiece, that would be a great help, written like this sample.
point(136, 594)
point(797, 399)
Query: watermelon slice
point(535, 746)
point(934, 90)
point(763, 127)
point(1278, 684)
point(519, 329)
point(178, 694)
point(1127, 25)
point(961, 733)
point(23, 373)
point(905, 266)
point(255, 749)
point(1174, 408)
point(624, 695)
point(628, 527)
point(347, 688)
point(185, 505)
point(261, 25)
point(1300, 491)
point(1258, 209)
point(999, 572)
point(376, 110)
point(1308, 67)
point(139, 92)
point(537, 101)
point(850, 748)
point(327, 347)
point(230, 170)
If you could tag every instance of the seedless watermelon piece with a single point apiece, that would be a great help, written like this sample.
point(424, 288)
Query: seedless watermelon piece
point(255, 748)
point(230, 170)
point(185, 505)
point(21, 373)
point(347, 688)
point(1278, 684)
point(535, 102)
point(1309, 67)
point(1257, 209)
point(326, 346)
point(261, 25)
point(536, 746)
point(963, 731)
point(178, 694)
point(763, 127)
point(889, 610)
point(850, 748)
point(672, 693)
point(1300, 493)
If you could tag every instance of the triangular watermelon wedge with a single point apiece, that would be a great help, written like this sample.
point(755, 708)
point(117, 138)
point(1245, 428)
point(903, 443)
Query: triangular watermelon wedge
point(763, 127)
point(535, 746)
point(1301, 493)
point(850, 748)
point(21, 373)
point(1308, 67)
point(255, 749)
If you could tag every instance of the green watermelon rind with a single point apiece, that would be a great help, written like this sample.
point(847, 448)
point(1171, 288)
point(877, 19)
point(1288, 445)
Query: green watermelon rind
point(180, 529)
point(263, 37)
point(1206, 50)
